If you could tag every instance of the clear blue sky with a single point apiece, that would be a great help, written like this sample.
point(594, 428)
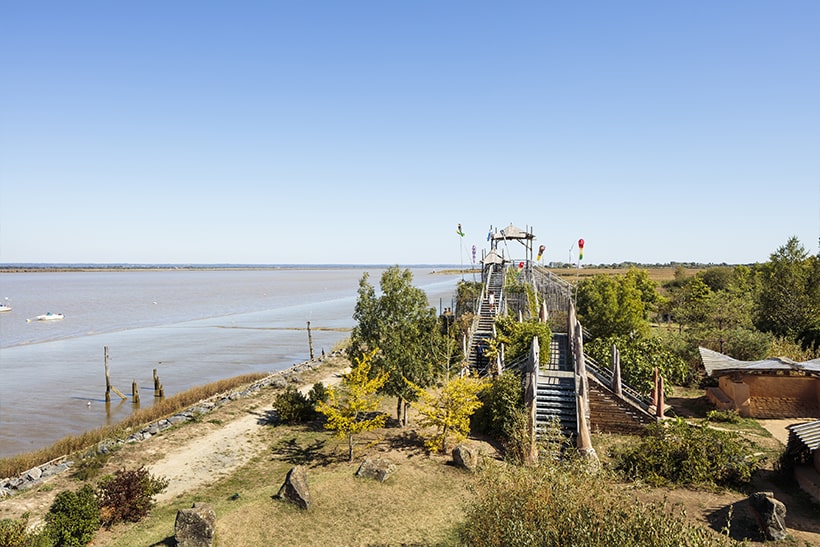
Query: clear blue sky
point(365, 131)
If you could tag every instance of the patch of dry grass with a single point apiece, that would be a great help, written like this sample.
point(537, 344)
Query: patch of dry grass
point(659, 275)
point(420, 504)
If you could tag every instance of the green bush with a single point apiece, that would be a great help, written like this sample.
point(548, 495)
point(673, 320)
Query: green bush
point(73, 518)
point(517, 338)
point(128, 495)
point(318, 393)
point(293, 407)
point(500, 403)
point(675, 452)
point(639, 358)
point(90, 466)
point(14, 533)
point(730, 416)
point(557, 505)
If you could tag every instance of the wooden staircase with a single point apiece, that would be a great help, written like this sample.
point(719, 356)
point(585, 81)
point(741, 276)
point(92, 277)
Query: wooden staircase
point(555, 399)
point(485, 328)
point(609, 413)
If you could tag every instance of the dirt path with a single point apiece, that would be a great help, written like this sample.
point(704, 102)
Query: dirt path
point(190, 456)
point(218, 452)
point(778, 428)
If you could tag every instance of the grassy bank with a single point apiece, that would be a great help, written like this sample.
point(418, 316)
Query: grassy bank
point(15, 465)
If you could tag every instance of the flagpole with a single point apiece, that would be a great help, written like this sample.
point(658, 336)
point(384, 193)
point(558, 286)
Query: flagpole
point(460, 233)
point(461, 255)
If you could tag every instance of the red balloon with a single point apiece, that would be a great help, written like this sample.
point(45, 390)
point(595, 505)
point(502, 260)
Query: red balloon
point(581, 243)
point(520, 264)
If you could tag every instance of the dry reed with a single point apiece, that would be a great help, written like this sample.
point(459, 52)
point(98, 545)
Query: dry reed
point(13, 466)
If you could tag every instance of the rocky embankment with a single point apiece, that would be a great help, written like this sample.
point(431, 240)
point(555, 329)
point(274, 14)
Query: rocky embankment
point(278, 380)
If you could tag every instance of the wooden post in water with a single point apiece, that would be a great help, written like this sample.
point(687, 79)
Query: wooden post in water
point(156, 384)
point(135, 393)
point(108, 387)
point(310, 341)
point(107, 377)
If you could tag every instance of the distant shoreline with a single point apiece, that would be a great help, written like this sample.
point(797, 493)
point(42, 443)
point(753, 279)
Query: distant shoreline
point(35, 268)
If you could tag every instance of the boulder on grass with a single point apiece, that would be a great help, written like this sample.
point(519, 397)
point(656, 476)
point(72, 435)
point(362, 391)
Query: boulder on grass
point(465, 457)
point(379, 469)
point(195, 527)
point(770, 514)
point(295, 488)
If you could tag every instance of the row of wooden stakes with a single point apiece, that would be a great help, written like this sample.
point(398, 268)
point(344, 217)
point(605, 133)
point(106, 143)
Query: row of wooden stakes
point(159, 391)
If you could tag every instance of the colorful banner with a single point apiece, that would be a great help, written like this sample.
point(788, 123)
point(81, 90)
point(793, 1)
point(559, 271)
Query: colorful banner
point(459, 231)
point(540, 252)
point(580, 249)
point(473, 254)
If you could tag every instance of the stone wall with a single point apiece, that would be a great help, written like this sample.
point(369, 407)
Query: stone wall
point(773, 396)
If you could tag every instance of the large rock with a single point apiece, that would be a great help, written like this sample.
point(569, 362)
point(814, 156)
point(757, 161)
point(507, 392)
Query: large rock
point(770, 514)
point(465, 457)
point(195, 527)
point(295, 488)
point(379, 469)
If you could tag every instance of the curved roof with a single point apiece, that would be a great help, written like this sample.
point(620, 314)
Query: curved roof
point(808, 433)
point(717, 364)
point(493, 258)
point(513, 232)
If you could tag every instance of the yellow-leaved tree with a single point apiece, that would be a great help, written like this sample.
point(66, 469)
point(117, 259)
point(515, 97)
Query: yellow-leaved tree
point(346, 408)
point(448, 408)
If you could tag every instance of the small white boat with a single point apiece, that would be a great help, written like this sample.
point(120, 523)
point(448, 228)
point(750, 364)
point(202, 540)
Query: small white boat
point(4, 307)
point(47, 317)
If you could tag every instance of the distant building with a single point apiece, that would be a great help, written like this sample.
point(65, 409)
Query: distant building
point(771, 388)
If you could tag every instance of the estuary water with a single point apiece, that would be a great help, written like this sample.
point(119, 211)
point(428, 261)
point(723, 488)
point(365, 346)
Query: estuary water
point(193, 326)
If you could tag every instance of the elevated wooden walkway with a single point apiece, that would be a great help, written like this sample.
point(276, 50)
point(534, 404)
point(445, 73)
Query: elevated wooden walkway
point(558, 390)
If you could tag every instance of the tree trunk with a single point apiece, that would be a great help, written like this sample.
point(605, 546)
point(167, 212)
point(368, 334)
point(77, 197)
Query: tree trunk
point(350, 447)
point(398, 411)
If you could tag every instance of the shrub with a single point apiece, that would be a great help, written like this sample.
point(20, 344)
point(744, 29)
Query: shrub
point(90, 466)
point(678, 453)
point(13, 533)
point(73, 518)
point(556, 505)
point(317, 393)
point(127, 496)
point(730, 416)
point(448, 409)
point(639, 358)
point(517, 338)
point(293, 407)
point(500, 402)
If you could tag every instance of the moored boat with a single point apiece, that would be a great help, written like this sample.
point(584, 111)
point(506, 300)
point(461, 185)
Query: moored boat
point(48, 317)
point(4, 307)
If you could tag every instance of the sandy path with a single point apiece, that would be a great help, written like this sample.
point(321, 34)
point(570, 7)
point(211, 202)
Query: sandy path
point(216, 453)
point(778, 427)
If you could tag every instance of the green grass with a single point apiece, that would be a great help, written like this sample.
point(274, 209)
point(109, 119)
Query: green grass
point(420, 504)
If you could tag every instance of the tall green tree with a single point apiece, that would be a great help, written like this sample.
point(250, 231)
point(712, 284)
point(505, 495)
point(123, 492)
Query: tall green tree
point(788, 292)
point(404, 327)
point(617, 305)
